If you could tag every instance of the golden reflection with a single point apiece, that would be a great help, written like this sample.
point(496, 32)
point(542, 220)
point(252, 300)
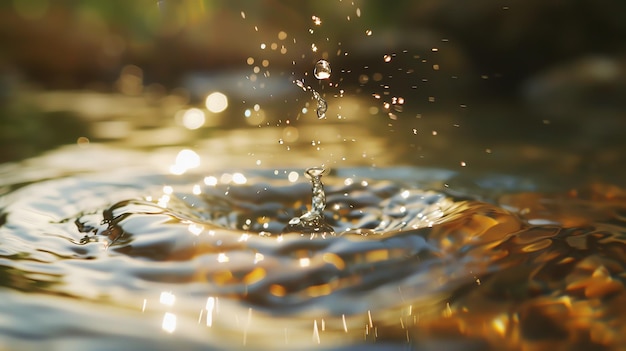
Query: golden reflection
point(167, 298)
point(163, 201)
point(256, 275)
point(499, 324)
point(319, 290)
point(316, 333)
point(210, 306)
point(239, 178)
point(334, 259)
point(185, 160)
point(537, 245)
point(377, 255)
point(222, 277)
point(195, 228)
point(169, 322)
point(258, 257)
point(278, 290)
point(305, 262)
point(196, 190)
point(210, 181)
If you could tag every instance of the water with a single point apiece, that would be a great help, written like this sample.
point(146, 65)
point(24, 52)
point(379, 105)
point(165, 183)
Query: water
point(101, 250)
point(322, 105)
point(130, 257)
point(313, 221)
point(322, 69)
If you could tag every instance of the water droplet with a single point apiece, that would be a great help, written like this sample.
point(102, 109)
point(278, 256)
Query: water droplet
point(322, 69)
point(322, 105)
point(313, 221)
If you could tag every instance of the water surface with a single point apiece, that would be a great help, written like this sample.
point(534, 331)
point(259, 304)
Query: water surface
point(126, 255)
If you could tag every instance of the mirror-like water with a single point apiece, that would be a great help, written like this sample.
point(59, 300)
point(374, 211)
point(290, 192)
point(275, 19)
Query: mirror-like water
point(202, 261)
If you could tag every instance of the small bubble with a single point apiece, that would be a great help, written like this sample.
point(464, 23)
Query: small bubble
point(387, 58)
point(316, 20)
point(282, 35)
point(322, 69)
point(368, 32)
point(463, 164)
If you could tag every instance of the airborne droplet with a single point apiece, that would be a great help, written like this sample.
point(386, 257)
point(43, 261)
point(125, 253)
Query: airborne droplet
point(322, 69)
point(322, 105)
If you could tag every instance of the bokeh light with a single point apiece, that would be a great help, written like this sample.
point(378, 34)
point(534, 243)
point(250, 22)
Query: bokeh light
point(193, 118)
point(185, 160)
point(216, 102)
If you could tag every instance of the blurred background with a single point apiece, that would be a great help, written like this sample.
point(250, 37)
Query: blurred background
point(489, 85)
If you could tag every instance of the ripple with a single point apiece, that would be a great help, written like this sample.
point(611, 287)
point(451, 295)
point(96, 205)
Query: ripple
point(404, 262)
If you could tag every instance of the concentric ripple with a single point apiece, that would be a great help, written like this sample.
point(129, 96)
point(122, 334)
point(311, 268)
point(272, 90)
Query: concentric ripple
point(208, 261)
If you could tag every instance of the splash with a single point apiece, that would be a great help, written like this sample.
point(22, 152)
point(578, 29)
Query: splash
point(313, 221)
point(322, 105)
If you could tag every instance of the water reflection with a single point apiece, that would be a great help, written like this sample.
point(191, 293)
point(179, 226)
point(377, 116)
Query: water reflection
point(148, 241)
point(407, 264)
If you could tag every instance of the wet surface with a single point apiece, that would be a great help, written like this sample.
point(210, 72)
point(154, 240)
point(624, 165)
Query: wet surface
point(415, 261)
